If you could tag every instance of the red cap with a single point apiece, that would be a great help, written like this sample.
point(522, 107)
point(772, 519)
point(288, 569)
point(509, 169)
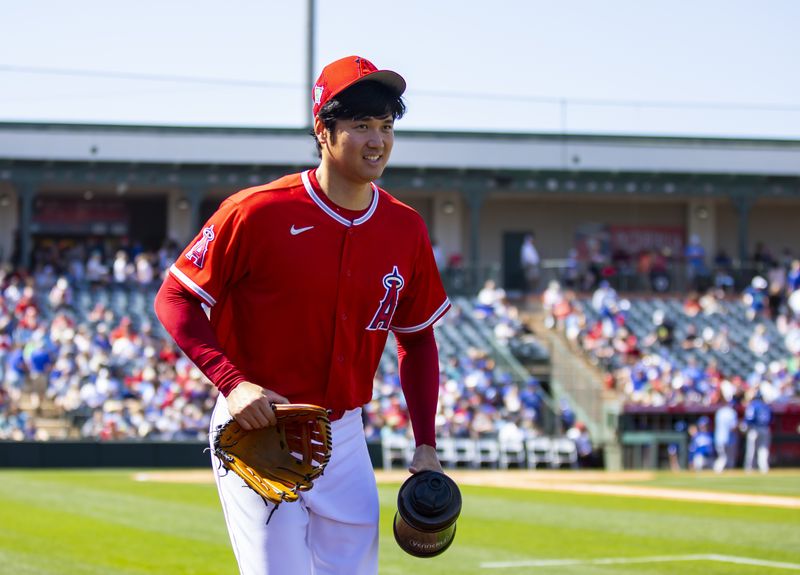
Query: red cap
point(343, 73)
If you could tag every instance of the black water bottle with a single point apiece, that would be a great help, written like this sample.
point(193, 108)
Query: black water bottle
point(428, 505)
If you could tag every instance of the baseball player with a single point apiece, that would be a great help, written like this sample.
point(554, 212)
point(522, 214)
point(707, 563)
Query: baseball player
point(726, 439)
point(757, 419)
point(701, 444)
point(287, 294)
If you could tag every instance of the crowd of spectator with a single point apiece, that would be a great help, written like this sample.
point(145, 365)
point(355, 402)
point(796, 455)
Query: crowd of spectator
point(478, 397)
point(106, 371)
point(667, 269)
point(674, 361)
point(110, 372)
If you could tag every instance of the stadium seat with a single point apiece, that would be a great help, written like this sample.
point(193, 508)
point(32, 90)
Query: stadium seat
point(488, 453)
point(446, 450)
point(511, 453)
point(539, 451)
point(564, 452)
point(465, 452)
point(395, 448)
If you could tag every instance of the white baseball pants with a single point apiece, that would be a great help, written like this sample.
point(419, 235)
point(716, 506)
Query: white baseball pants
point(330, 530)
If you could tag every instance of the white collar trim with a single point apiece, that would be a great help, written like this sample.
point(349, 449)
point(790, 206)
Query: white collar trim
point(325, 208)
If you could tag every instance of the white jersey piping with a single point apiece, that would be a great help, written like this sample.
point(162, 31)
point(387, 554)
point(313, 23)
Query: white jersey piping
point(187, 281)
point(327, 209)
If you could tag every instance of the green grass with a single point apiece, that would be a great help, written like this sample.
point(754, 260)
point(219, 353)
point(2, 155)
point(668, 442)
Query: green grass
point(103, 522)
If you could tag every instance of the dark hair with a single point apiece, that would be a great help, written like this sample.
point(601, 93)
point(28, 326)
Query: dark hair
point(366, 99)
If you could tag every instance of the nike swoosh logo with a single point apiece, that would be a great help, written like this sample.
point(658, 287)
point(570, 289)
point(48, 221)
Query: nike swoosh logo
point(295, 231)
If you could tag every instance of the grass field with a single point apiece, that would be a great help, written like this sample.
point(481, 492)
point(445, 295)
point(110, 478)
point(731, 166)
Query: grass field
point(105, 522)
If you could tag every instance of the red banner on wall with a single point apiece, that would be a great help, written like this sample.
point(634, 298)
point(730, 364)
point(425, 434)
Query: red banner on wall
point(636, 239)
point(78, 216)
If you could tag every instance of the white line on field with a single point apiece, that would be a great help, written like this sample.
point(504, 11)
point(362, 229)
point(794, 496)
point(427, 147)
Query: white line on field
point(630, 560)
point(749, 561)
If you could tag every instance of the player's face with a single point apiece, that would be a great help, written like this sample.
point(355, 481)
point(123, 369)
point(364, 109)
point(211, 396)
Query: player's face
point(360, 149)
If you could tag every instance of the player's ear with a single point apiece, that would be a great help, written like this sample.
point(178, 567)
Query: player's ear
point(320, 131)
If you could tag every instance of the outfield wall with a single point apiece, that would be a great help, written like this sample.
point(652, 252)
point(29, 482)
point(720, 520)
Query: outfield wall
point(640, 450)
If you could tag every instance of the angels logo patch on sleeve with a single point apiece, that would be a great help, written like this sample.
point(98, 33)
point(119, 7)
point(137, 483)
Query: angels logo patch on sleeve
point(393, 282)
point(197, 255)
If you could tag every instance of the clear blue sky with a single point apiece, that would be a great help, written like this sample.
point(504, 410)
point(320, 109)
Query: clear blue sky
point(680, 67)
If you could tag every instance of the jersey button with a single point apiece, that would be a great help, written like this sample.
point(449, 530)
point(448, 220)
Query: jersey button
point(344, 316)
point(340, 358)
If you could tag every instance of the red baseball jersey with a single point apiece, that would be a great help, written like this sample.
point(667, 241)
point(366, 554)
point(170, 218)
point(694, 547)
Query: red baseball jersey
point(301, 297)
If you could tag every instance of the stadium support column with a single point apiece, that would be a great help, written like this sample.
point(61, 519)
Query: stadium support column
point(743, 205)
point(183, 221)
point(311, 10)
point(195, 196)
point(447, 227)
point(702, 222)
point(475, 198)
point(26, 191)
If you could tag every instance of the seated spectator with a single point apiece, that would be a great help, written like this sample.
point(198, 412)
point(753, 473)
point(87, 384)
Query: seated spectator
point(604, 298)
point(663, 330)
point(145, 274)
point(759, 340)
point(762, 258)
point(792, 337)
point(695, 255)
point(579, 434)
point(626, 344)
point(552, 296)
point(96, 272)
point(710, 301)
point(621, 264)
point(660, 277)
point(60, 295)
point(721, 341)
point(776, 289)
point(644, 265)
point(566, 414)
point(121, 269)
point(723, 278)
point(793, 276)
point(691, 339)
point(691, 305)
point(755, 298)
point(571, 277)
point(510, 433)
point(491, 298)
point(794, 303)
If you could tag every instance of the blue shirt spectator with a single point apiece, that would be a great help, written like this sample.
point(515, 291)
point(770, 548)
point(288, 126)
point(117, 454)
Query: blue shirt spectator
point(793, 276)
point(701, 444)
point(758, 413)
point(757, 416)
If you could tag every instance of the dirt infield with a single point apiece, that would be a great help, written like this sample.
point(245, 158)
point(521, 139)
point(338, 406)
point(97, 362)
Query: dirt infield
point(599, 482)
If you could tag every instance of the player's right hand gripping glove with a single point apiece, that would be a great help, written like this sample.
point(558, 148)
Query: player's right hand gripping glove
point(282, 459)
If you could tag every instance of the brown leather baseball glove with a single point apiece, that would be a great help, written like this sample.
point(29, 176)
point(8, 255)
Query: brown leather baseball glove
point(282, 459)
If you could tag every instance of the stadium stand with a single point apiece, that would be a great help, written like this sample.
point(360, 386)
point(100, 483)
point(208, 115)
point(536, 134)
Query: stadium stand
point(82, 356)
point(661, 351)
point(674, 361)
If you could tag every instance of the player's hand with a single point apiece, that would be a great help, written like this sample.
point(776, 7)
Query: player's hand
point(249, 405)
point(425, 459)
